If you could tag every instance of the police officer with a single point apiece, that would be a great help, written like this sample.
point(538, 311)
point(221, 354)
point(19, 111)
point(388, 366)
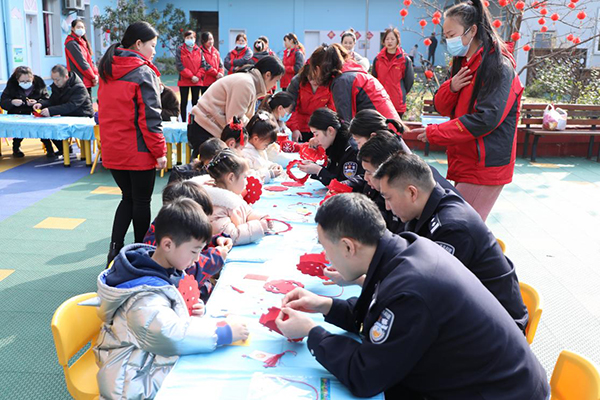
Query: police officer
point(429, 328)
point(431, 211)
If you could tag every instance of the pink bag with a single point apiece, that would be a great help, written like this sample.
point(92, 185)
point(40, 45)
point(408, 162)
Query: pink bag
point(555, 119)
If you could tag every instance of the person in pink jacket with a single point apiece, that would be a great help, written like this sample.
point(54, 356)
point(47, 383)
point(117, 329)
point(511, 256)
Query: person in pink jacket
point(231, 214)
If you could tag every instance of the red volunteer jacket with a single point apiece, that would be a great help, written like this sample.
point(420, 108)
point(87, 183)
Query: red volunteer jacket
point(79, 59)
point(215, 65)
point(396, 76)
point(293, 60)
point(129, 114)
point(356, 90)
point(307, 102)
point(482, 144)
point(190, 64)
point(237, 58)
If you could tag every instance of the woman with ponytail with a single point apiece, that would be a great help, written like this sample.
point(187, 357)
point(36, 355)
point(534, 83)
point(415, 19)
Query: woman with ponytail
point(212, 57)
point(482, 98)
point(133, 144)
point(280, 105)
point(79, 55)
point(293, 58)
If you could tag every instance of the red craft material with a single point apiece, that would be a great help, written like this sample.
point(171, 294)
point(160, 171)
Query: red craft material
point(236, 289)
point(288, 227)
point(292, 184)
point(274, 360)
point(313, 265)
point(256, 277)
point(188, 287)
point(317, 155)
point(294, 177)
point(290, 147)
point(268, 320)
point(38, 114)
point(336, 187)
point(282, 286)
point(276, 188)
point(253, 190)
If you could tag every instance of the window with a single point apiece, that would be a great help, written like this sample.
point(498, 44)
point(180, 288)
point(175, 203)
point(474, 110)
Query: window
point(597, 31)
point(544, 40)
point(51, 15)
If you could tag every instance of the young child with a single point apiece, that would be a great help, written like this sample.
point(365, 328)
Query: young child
point(207, 151)
point(280, 105)
point(212, 258)
point(232, 215)
point(262, 130)
point(146, 320)
point(235, 135)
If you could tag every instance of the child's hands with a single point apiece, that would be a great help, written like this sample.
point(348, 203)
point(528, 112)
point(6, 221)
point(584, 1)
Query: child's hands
point(277, 169)
point(198, 309)
point(224, 242)
point(223, 251)
point(266, 225)
point(17, 102)
point(239, 330)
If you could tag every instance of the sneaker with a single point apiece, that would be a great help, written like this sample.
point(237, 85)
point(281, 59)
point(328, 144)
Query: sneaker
point(18, 153)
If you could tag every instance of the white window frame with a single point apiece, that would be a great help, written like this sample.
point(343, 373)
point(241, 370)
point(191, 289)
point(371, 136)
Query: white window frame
point(596, 49)
point(53, 13)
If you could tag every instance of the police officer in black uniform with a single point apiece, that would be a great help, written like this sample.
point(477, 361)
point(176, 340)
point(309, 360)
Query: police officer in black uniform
point(429, 328)
point(440, 215)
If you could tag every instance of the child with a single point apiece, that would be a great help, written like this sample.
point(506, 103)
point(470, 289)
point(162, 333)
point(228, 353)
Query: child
point(232, 215)
point(207, 151)
point(235, 135)
point(262, 129)
point(146, 321)
point(280, 105)
point(213, 256)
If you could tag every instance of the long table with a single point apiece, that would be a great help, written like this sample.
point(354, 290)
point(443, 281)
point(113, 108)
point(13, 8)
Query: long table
point(231, 372)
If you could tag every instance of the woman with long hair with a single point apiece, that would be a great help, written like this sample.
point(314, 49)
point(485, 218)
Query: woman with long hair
point(348, 40)
point(240, 56)
point(293, 58)
point(212, 57)
point(79, 55)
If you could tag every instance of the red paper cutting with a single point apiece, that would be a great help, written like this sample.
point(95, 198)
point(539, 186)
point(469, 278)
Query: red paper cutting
point(292, 184)
point(188, 287)
point(290, 147)
point(276, 188)
point(288, 227)
point(336, 187)
point(282, 286)
point(294, 177)
point(268, 320)
point(256, 277)
point(253, 190)
point(317, 155)
point(313, 265)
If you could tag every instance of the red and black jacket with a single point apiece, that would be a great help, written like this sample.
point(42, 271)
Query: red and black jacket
point(293, 60)
point(215, 65)
point(237, 58)
point(190, 64)
point(481, 143)
point(356, 90)
point(396, 76)
point(307, 102)
point(129, 114)
point(79, 59)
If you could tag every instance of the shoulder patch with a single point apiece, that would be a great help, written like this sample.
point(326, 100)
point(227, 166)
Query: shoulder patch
point(381, 328)
point(350, 169)
point(435, 223)
point(448, 247)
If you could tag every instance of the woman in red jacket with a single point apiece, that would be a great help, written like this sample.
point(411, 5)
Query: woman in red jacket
point(79, 55)
point(293, 59)
point(482, 99)
point(239, 56)
point(394, 69)
point(192, 67)
point(213, 59)
point(309, 97)
point(133, 144)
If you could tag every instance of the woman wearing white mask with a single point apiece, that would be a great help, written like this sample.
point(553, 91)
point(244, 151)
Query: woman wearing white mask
point(192, 68)
point(239, 56)
point(483, 100)
point(79, 55)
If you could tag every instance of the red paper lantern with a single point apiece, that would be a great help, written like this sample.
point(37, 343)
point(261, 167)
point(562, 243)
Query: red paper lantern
point(503, 3)
point(570, 37)
point(108, 31)
point(576, 40)
point(407, 3)
point(423, 23)
point(544, 11)
point(437, 14)
point(555, 17)
point(429, 74)
point(515, 36)
point(542, 21)
point(404, 12)
point(497, 23)
point(527, 47)
point(536, 4)
point(544, 29)
point(520, 5)
point(581, 15)
point(427, 42)
point(574, 1)
point(436, 21)
point(572, 5)
point(486, 3)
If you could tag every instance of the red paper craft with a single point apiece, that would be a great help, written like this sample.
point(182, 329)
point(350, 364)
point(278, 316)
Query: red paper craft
point(313, 265)
point(282, 286)
point(290, 147)
point(236, 289)
point(188, 287)
point(276, 188)
point(292, 184)
point(288, 227)
point(38, 114)
point(268, 321)
point(256, 277)
point(336, 187)
point(317, 155)
point(253, 190)
point(294, 177)
point(281, 139)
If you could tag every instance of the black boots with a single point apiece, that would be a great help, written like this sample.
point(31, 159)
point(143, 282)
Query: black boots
point(113, 250)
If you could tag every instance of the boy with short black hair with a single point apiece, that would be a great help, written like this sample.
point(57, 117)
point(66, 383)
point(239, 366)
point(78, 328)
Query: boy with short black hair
point(146, 321)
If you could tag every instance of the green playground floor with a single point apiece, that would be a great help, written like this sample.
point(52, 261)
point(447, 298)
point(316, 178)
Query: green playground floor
point(549, 218)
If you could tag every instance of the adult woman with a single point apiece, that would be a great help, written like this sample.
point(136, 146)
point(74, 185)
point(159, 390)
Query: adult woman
point(394, 69)
point(192, 67)
point(79, 55)
point(130, 121)
point(293, 58)
point(260, 50)
point(233, 95)
point(349, 41)
point(309, 97)
point(213, 59)
point(24, 90)
point(483, 99)
point(332, 134)
point(351, 87)
point(239, 56)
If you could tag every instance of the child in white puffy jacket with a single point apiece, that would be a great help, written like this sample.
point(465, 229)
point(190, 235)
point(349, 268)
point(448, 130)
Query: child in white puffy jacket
point(262, 132)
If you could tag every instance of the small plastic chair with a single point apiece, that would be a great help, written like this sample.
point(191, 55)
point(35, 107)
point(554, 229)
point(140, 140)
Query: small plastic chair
point(99, 153)
point(502, 245)
point(574, 378)
point(73, 327)
point(533, 302)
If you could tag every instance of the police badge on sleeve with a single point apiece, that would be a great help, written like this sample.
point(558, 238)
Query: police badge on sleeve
point(381, 328)
point(350, 169)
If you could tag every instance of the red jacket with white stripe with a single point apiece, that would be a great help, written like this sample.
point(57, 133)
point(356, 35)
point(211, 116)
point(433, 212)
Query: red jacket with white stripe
point(79, 59)
point(293, 60)
point(396, 76)
point(307, 102)
point(190, 64)
point(129, 114)
point(215, 65)
point(482, 143)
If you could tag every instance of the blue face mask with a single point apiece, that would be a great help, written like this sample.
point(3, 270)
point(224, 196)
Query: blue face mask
point(25, 85)
point(240, 46)
point(455, 46)
point(286, 117)
point(190, 42)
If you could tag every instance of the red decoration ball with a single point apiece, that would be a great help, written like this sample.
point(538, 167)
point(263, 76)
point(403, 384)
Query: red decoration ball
point(577, 40)
point(404, 12)
point(427, 42)
point(497, 23)
point(486, 3)
point(572, 5)
point(544, 29)
point(515, 36)
point(407, 3)
point(555, 17)
point(429, 74)
point(527, 47)
point(520, 5)
point(570, 37)
point(581, 15)
point(436, 21)
point(423, 23)
point(437, 14)
point(541, 21)
point(544, 11)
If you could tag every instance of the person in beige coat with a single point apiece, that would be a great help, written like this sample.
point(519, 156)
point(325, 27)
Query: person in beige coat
point(233, 95)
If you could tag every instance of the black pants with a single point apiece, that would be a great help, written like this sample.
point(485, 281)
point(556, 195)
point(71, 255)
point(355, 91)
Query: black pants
point(16, 145)
point(137, 188)
point(184, 92)
point(89, 90)
point(203, 89)
point(431, 58)
point(196, 136)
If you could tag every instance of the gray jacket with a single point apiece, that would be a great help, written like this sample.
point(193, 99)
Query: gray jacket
point(145, 329)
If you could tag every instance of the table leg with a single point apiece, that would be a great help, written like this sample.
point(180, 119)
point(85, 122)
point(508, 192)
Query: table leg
point(590, 148)
point(536, 138)
point(88, 153)
point(525, 144)
point(66, 155)
point(188, 153)
point(169, 156)
point(179, 155)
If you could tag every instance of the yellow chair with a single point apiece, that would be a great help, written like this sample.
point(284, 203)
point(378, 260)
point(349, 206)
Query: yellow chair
point(73, 327)
point(502, 245)
point(533, 302)
point(99, 154)
point(574, 378)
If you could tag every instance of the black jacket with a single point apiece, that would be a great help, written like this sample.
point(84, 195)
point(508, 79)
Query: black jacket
point(342, 163)
point(429, 330)
point(71, 100)
point(170, 104)
point(14, 91)
point(452, 223)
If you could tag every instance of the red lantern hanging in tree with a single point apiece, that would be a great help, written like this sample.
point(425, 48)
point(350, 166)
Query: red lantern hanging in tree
point(536, 4)
point(581, 15)
point(520, 5)
point(515, 36)
point(577, 40)
point(497, 23)
point(572, 6)
point(542, 21)
point(437, 14)
point(544, 29)
point(574, 1)
point(403, 14)
point(428, 74)
point(435, 21)
point(503, 3)
point(423, 23)
point(570, 37)
point(427, 42)
point(407, 3)
point(486, 3)
point(526, 47)
point(544, 11)
point(555, 17)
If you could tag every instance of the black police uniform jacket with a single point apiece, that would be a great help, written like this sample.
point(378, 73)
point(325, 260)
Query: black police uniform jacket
point(452, 223)
point(342, 160)
point(429, 329)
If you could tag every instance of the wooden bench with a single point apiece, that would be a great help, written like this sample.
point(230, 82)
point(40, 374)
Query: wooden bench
point(583, 120)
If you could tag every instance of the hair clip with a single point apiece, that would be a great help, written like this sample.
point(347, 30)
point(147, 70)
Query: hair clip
point(263, 115)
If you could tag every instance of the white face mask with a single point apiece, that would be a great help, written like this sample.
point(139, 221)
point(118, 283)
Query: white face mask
point(240, 46)
point(25, 85)
point(190, 42)
point(80, 32)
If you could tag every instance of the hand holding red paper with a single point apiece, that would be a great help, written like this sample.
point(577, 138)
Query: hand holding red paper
point(198, 309)
point(188, 287)
point(239, 330)
point(301, 299)
point(293, 324)
point(309, 167)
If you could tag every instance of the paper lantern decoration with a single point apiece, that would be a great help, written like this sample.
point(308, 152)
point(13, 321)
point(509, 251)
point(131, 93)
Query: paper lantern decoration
point(497, 23)
point(288, 169)
point(317, 155)
point(253, 190)
point(403, 14)
point(427, 42)
point(536, 4)
point(581, 15)
point(437, 14)
point(544, 29)
point(555, 17)
point(268, 320)
point(436, 21)
point(313, 265)
point(428, 74)
point(515, 36)
point(577, 40)
point(520, 5)
point(544, 11)
point(282, 286)
point(423, 23)
point(574, 1)
point(188, 287)
point(486, 3)
point(503, 3)
point(572, 5)
point(542, 21)
point(570, 37)
point(527, 47)
point(407, 3)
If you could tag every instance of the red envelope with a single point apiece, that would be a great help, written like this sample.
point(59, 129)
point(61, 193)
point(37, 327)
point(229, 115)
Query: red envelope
point(276, 188)
point(188, 287)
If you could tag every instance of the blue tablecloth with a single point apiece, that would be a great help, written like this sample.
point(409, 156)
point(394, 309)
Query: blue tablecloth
point(228, 372)
point(59, 128)
point(175, 132)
